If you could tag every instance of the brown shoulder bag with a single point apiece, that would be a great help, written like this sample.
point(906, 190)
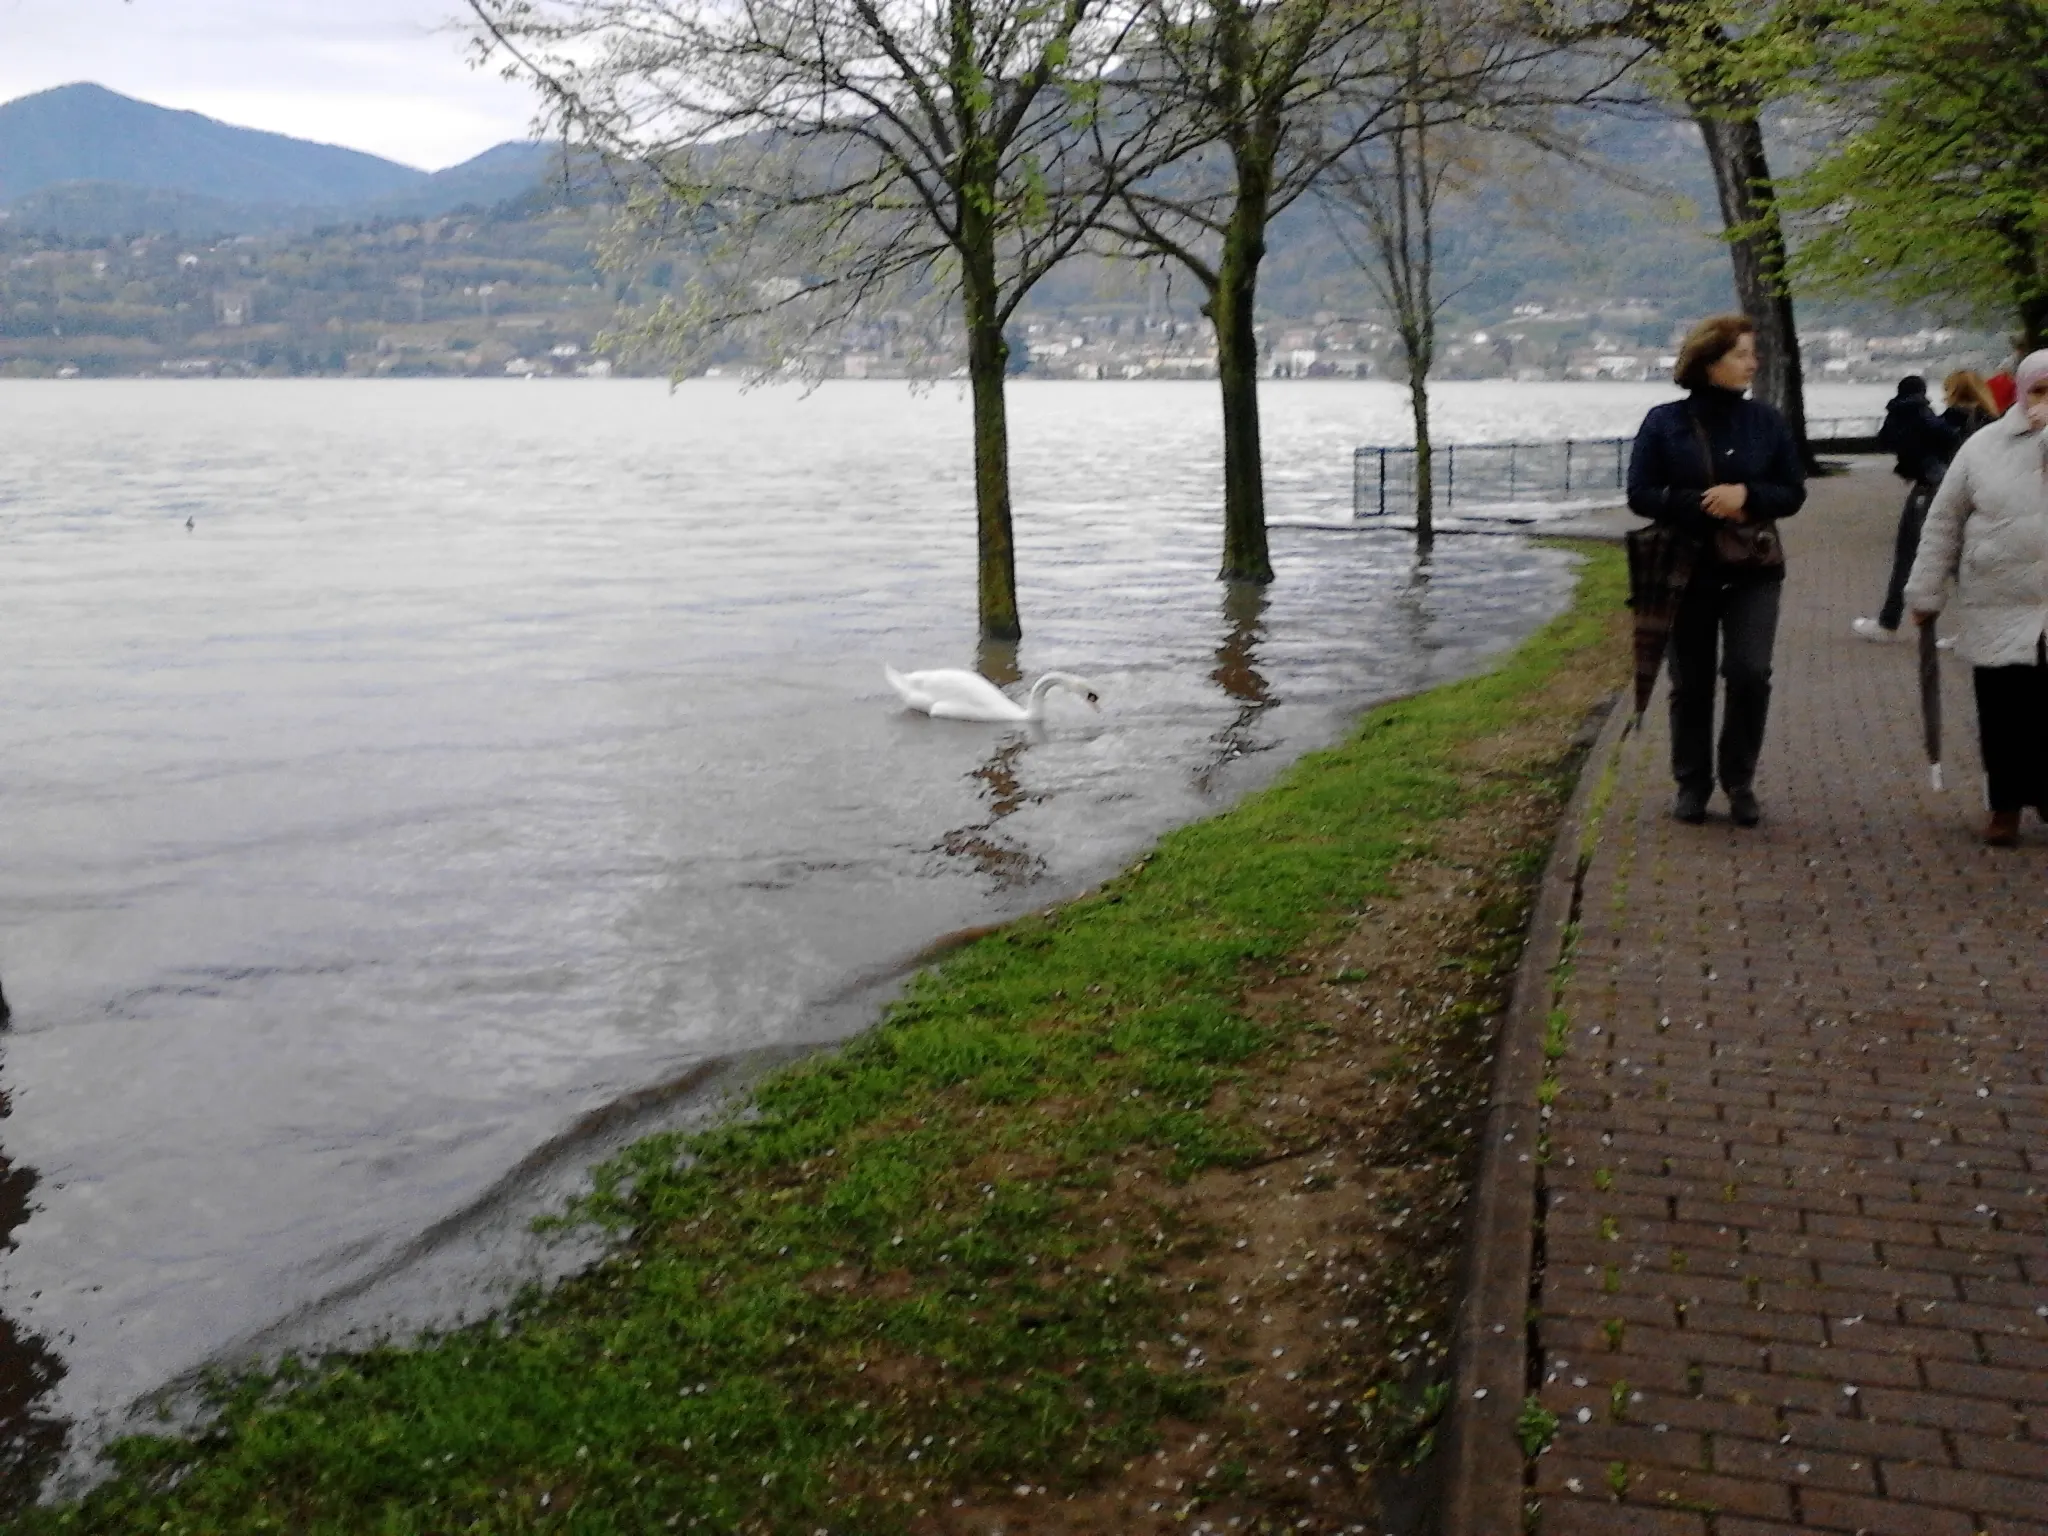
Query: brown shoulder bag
point(1739, 546)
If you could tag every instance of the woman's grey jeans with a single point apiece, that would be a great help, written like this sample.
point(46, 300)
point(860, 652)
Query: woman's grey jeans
point(1738, 620)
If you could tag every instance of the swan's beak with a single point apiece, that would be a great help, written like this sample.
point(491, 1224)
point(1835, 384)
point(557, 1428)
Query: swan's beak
point(1094, 700)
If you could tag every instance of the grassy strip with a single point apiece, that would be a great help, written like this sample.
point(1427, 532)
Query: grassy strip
point(918, 1267)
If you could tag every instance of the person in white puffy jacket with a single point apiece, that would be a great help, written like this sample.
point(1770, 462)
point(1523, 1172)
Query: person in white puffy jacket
point(1988, 532)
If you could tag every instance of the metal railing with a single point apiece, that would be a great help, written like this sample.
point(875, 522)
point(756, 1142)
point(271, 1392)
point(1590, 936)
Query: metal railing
point(1841, 429)
point(1490, 474)
point(1503, 474)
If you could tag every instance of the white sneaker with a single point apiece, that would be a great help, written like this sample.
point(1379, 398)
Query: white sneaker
point(1945, 643)
point(1870, 629)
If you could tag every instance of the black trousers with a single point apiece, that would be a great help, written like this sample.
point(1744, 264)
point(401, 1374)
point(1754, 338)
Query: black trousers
point(1738, 620)
point(2012, 732)
point(1905, 545)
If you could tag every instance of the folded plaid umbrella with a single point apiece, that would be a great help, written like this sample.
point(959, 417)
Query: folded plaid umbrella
point(1660, 563)
point(1930, 700)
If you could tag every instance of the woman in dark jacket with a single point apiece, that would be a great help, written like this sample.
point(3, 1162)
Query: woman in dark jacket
point(1720, 468)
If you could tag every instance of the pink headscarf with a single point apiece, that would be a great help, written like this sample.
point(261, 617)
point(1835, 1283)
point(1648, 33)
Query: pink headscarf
point(2032, 369)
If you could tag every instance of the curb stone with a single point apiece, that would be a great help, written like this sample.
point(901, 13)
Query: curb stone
point(1482, 1471)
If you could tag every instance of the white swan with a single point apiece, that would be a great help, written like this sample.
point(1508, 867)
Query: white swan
point(950, 693)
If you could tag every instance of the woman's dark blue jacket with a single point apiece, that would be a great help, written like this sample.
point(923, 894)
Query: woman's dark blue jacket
point(1750, 443)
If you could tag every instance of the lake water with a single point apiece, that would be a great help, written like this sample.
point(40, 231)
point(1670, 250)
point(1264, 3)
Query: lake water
point(484, 753)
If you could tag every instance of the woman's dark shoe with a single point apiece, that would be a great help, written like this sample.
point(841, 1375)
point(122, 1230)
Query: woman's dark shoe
point(1743, 809)
point(1690, 806)
point(2002, 830)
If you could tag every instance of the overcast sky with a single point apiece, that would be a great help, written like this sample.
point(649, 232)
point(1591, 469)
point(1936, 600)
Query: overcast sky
point(387, 76)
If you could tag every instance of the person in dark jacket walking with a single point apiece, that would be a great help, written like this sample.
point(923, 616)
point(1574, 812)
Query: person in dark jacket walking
point(1720, 469)
point(1921, 444)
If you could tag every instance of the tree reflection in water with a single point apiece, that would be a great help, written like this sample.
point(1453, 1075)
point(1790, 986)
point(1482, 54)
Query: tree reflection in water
point(1237, 674)
point(29, 1441)
point(996, 660)
point(1007, 862)
point(1003, 859)
point(1411, 601)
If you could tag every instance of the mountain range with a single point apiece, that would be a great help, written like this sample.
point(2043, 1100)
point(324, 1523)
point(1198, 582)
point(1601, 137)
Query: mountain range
point(358, 270)
point(81, 160)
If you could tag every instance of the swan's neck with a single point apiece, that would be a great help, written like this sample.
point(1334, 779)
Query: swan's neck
point(1034, 708)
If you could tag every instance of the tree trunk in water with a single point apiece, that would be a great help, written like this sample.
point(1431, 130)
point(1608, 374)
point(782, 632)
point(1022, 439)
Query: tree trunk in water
point(988, 357)
point(2033, 324)
point(1756, 247)
point(1232, 309)
point(1425, 478)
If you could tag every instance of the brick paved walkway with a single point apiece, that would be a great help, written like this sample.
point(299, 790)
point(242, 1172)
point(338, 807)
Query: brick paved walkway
point(1796, 1263)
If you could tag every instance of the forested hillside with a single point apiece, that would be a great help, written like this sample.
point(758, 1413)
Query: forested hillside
point(1549, 269)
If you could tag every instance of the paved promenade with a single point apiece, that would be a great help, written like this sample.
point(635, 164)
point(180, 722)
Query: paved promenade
point(1795, 1261)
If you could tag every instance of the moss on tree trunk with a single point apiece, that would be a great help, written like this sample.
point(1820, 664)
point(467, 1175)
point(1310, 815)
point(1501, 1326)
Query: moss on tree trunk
point(1425, 462)
point(1232, 308)
point(988, 356)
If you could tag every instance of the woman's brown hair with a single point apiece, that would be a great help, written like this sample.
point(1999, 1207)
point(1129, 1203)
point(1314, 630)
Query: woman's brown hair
point(1706, 344)
point(1966, 388)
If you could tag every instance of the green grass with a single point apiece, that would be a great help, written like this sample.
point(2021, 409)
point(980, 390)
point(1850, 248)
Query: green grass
point(916, 1266)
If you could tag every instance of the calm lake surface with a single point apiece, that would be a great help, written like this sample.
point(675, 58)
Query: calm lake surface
point(486, 752)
